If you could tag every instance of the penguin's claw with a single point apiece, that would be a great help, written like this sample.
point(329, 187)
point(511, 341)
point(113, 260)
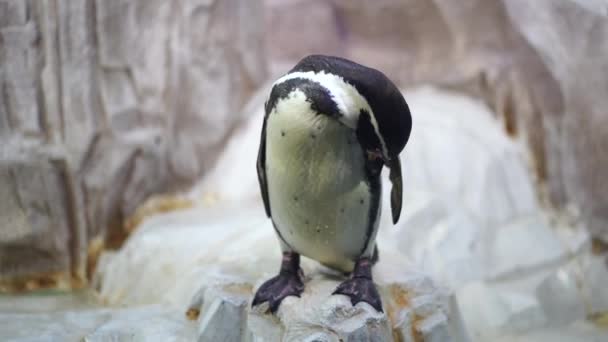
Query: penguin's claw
point(360, 290)
point(276, 289)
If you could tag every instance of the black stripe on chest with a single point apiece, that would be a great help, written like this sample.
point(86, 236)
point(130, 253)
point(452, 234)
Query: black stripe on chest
point(369, 141)
point(375, 188)
point(319, 97)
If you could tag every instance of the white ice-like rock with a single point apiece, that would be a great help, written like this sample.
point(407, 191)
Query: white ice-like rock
point(561, 297)
point(523, 247)
point(489, 311)
point(535, 280)
point(577, 290)
point(414, 307)
point(211, 260)
point(225, 313)
point(580, 331)
point(233, 178)
point(145, 323)
point(597, 278)
point(447, 247)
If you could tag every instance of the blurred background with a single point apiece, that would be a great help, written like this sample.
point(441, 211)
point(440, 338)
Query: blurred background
point(114, 111)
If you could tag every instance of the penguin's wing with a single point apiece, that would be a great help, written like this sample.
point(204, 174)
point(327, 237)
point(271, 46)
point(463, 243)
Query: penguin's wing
point(397, 190)
point(261, 167)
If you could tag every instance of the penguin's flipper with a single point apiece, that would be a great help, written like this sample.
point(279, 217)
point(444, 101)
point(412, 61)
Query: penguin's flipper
point(261, 167)
point(397, 190)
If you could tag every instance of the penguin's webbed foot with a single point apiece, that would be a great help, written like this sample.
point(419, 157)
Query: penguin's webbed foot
point(360, 287)
point(276, 289)
point(289, 282)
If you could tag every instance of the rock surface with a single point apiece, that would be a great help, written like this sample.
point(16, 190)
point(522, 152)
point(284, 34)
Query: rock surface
point(415, 309)
point(209, 261)
point(103, 103)
point(146, 323)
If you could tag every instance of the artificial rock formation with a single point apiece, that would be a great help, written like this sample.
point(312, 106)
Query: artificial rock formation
point(208, 261)
point(146, 323)
point(539, 65)
point(415, 310)
point(103, 103)
point(467, 217)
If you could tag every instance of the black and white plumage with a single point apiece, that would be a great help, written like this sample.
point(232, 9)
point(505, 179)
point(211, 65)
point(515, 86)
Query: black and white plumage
point(330, 126)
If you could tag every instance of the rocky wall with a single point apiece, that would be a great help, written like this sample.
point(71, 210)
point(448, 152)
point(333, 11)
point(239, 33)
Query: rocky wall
point(103, 103)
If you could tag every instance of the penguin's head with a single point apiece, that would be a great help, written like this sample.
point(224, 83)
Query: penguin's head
point(359, 97)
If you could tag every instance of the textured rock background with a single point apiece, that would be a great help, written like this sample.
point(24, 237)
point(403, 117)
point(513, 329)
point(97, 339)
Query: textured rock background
point(470, 221)
point(540, 65)
point(208, 261)
point(103, 103)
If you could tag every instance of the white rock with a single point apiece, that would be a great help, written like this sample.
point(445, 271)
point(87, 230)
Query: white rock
point(317, 311)
point(64, 326)
point(543, 248)
point(466, 157)
point(213, 259)
point(411, 305)
point(224, 313)
point(489, 312)
point(577, 332)
point(561, 297)
point(403, 326)
point(434, 328)
point(147, 323)
point(144, 324)
point(233, 177)
point(452, 251)
point(597, 280)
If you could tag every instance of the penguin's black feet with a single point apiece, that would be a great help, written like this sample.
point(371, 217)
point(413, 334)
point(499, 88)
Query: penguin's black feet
point(289, 282)
point(360, 287)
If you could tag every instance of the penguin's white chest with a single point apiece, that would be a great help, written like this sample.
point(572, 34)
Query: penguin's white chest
point(321, 202)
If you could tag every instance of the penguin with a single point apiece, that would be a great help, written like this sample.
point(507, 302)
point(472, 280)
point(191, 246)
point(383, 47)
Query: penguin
point(330, 126)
